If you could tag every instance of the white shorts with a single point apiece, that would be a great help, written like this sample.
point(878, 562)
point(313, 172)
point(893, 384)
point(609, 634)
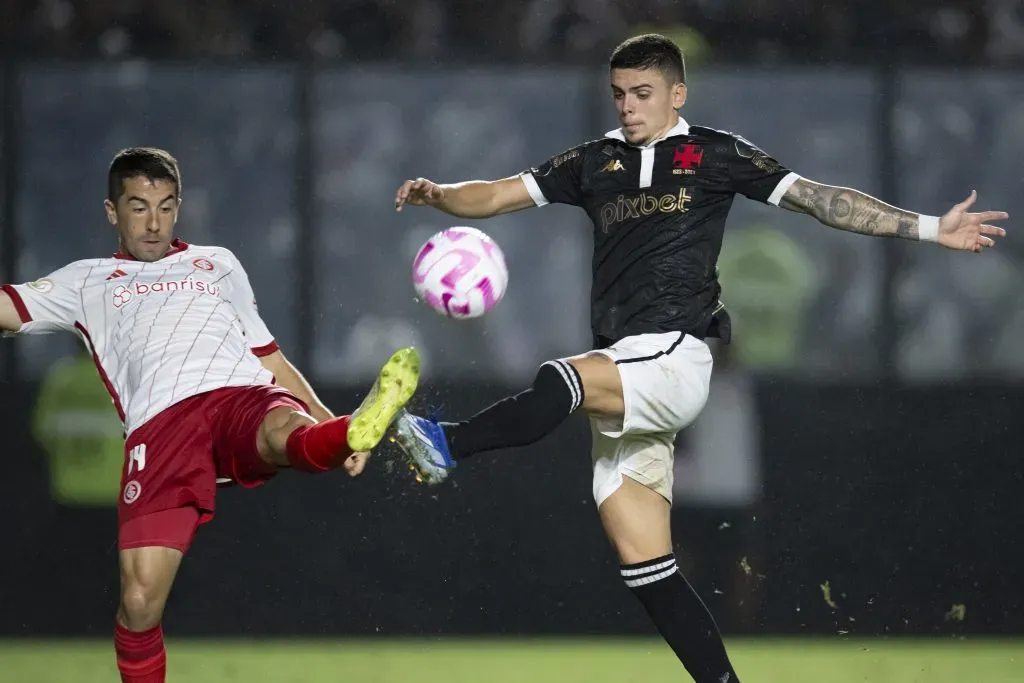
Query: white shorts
point(665, 381)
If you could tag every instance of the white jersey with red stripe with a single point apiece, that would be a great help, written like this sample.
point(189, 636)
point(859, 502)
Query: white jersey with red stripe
point(159, 332)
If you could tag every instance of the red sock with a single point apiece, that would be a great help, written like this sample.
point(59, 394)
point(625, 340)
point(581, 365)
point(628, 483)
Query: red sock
point(319, 447)
point(141, 657)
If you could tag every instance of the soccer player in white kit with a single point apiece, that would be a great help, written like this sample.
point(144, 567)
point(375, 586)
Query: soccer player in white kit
point(205, 394)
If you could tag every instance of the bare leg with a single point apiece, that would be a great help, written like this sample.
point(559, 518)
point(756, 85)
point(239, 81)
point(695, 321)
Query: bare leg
point(147, 575)
point(637, 522)
point(275, 429)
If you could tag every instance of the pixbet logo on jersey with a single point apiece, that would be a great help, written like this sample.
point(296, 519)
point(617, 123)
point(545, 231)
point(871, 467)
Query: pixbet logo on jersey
point(643, 204)
point(122, 294)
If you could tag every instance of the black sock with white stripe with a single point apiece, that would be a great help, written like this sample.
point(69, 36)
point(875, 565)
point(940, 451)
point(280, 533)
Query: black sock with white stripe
point(522, 419)
point(681, 617)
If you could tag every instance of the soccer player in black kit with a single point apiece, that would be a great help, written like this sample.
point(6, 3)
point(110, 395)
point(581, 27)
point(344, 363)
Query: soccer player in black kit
point(658, 191)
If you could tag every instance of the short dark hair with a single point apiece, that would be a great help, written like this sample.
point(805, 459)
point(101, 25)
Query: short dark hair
point(141, 162)
point(650, 51)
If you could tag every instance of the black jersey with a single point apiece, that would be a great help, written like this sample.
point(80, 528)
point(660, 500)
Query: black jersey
point(659, 215)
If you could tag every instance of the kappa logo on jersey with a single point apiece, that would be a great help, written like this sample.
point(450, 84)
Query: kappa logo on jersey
point(116, 274)
point(687, 157)
point(203, 264)
point(612, 166)
point(43, 286)
point(122, 294)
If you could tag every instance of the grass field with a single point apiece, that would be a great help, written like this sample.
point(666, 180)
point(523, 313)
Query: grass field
point(522, 661)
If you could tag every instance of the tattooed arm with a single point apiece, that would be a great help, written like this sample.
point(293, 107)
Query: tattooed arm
point(854, 211)
point(851, 210)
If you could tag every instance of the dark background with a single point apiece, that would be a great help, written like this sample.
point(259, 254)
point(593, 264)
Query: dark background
point(881, 381)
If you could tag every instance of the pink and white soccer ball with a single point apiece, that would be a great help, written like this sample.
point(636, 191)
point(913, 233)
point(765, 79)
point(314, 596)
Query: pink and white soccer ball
point(460, 273)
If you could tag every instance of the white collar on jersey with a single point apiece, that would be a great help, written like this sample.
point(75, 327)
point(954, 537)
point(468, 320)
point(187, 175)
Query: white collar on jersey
point(177, 246)
point(681, 128)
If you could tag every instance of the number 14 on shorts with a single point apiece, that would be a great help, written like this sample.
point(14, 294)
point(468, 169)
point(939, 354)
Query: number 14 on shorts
point(137, 456)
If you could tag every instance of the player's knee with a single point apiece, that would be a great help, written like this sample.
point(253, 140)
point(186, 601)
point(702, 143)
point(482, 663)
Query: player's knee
point(142, 606)
point(635, 550)
point(294, 421)
point(602, 385)
point(274, 432)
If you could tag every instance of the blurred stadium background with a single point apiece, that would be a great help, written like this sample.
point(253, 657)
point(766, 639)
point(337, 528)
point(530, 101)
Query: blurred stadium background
point(848, 504)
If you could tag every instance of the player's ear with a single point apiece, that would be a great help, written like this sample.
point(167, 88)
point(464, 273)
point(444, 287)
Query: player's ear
point(111, 210)
point(678, 95)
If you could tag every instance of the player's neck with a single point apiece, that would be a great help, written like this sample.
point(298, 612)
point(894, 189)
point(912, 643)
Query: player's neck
point(660, 134)
point(174, 247)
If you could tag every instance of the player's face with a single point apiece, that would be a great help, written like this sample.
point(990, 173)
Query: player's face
point(144, 216)
point(647, 103)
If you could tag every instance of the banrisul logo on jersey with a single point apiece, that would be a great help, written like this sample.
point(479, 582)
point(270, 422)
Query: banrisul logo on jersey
point(122, 294)
point(639, 206)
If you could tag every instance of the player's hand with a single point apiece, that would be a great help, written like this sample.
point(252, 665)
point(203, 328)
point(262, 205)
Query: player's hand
point(965, 231)
point(355, 463)
point(419, 192)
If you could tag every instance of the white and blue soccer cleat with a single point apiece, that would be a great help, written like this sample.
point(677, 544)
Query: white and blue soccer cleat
point(425, 447)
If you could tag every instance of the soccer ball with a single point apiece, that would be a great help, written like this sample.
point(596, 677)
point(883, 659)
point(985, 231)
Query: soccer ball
point(460, 273)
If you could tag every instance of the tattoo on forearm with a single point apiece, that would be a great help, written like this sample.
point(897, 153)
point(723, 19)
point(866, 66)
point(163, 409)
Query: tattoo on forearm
point(851, 210)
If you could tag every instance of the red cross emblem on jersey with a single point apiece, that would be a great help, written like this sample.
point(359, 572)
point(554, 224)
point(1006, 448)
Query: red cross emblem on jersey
point(687, 156)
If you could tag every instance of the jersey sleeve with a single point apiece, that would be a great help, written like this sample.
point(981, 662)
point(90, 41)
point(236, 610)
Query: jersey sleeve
point(755, 174)
point(243, 301)
point(557, 180)
point(49, 304)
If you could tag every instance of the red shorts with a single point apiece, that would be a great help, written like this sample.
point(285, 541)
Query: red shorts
point(176, 459)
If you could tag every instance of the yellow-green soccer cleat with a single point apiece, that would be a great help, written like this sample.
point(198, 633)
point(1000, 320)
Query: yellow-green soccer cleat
point(393, 388)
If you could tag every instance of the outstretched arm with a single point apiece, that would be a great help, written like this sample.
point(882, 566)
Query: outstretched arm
point(471, 199)
point(854, 211)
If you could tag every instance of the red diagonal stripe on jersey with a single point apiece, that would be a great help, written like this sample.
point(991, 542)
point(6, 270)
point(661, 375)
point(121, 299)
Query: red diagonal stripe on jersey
point(103, 373)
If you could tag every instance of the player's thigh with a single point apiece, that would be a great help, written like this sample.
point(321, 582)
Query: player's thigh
point(147, 575)
point(151, 568)
point(665, 380)
point(637, 522)
point(251, 426)
point(602, 385)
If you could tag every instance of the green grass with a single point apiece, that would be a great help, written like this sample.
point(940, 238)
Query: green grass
point(521, 661)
